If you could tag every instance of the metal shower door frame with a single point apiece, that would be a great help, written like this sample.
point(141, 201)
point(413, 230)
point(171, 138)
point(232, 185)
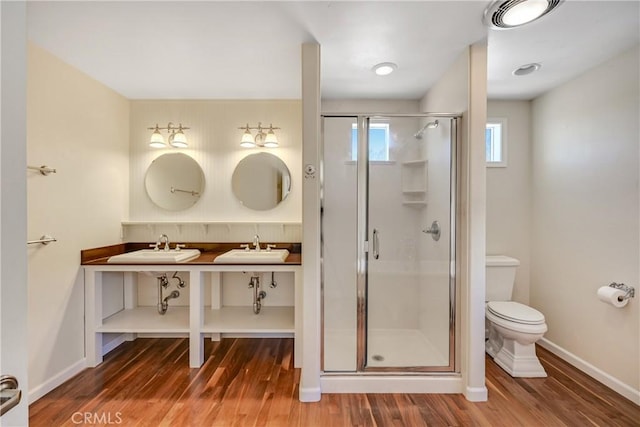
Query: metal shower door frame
point(363, 241)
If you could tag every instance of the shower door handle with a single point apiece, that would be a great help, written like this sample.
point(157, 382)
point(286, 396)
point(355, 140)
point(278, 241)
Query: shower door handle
point(376, 245)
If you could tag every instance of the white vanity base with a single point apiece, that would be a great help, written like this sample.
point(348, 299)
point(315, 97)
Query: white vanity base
point(199, 321)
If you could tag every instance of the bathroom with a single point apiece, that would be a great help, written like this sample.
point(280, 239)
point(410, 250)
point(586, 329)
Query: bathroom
point(525, 229)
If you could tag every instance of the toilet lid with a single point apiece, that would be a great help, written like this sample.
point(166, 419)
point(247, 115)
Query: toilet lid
point(516, 312)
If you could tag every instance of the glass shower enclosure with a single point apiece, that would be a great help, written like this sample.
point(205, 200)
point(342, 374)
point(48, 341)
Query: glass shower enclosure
point(388, 242)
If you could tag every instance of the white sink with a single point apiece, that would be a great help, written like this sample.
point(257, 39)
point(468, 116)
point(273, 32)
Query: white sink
point(242, 256)
point(149, 256)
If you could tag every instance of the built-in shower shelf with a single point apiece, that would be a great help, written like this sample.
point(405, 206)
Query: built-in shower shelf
point(414, 183)
point(243, 320)
point(417, 204)
point(420, 162)
point(147, 320)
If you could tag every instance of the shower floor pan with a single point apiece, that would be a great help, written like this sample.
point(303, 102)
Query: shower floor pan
point(387, 348)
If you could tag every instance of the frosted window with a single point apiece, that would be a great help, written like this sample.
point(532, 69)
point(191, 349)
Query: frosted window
point(495, 143)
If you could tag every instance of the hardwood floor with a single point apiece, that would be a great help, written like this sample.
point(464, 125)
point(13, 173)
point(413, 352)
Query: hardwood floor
point(252, 382)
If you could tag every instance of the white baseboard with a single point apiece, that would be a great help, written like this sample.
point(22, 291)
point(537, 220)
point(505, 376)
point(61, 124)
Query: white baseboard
point(309, 394)
point(598, 374)
point(57, 380)
point(390, 384)
point(476, 394)
point(114, 343)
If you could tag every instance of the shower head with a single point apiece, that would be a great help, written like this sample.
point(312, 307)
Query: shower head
point(431, 125)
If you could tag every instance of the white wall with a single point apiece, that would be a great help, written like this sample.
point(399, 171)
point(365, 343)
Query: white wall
point(81, 128)
point(13, 205)
point(585, 216)
point(370, 106)
point(509, 193)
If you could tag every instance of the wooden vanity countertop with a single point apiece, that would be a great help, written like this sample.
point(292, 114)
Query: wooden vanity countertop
point(209, 252)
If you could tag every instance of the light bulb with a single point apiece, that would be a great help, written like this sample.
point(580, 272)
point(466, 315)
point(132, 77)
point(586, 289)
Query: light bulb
point(179, 140)
point(270, 140)
point(385, 68)
point(157, 141)
point(524, 12)
point(247, 140)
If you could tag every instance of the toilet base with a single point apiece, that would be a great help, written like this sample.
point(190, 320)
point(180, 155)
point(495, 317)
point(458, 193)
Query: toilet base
point(519, 360)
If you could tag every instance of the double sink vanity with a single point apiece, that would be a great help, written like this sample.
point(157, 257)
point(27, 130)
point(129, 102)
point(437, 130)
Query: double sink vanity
point(206, 265)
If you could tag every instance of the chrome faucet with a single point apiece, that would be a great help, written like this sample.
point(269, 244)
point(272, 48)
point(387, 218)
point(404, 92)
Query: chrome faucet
point(256, 243)
point(165, 238)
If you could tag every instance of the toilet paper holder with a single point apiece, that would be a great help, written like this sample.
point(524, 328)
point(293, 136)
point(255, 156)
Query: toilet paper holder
point(629, 291)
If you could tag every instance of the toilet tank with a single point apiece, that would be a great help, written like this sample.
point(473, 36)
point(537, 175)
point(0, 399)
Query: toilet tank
point(501, 275)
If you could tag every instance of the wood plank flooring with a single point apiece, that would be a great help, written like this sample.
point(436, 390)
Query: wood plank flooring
point(252, 382)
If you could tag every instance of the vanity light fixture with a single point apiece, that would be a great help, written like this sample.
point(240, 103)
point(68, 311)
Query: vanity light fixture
point(261, 139)
point(505, 14)
point(176, 138)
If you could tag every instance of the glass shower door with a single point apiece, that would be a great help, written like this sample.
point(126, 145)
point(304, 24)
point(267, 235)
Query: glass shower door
point(387, 243)
point(339, 245)
point(408, 298)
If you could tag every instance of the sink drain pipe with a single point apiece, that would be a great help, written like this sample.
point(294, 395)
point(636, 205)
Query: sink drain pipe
point(258, 295)
point(163, 283)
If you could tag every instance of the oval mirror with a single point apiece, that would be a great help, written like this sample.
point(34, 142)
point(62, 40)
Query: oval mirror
point(174, 181)
point(261, 181)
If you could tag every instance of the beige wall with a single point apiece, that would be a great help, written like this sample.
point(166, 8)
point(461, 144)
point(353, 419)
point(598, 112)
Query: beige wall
point(509, 193)
point(214, 142)
point(585, 217)
point(81, 128)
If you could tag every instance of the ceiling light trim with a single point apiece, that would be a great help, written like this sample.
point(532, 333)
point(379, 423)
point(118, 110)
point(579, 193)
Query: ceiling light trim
point(384, 68)
point(495, 13)
point(527, 69)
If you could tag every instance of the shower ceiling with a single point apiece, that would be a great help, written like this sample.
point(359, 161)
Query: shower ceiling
point(250, 50)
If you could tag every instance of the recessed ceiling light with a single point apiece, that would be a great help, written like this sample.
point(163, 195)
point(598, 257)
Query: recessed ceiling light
point(505, 14)
point(526, 69)
point(384, 68)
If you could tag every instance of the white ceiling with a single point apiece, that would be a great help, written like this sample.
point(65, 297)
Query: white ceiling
point(251, 49)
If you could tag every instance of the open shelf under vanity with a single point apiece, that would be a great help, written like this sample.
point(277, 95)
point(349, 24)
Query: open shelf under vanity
point(147, 320)
point(243, 320)
point(238, 320)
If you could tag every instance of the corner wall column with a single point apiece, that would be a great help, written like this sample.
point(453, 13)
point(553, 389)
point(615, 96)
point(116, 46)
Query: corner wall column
point(310, 377)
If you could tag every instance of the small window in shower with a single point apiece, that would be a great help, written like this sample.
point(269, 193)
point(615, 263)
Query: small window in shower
point(378, 142)
point(495, 143)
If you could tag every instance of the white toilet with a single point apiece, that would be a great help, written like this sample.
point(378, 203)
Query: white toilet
point(513, 328)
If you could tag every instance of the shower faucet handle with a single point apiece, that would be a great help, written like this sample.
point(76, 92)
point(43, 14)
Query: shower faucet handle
point(434, 230)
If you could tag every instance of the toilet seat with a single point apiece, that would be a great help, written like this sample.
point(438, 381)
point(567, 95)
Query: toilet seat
point(516, 317)
point(515, 312)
